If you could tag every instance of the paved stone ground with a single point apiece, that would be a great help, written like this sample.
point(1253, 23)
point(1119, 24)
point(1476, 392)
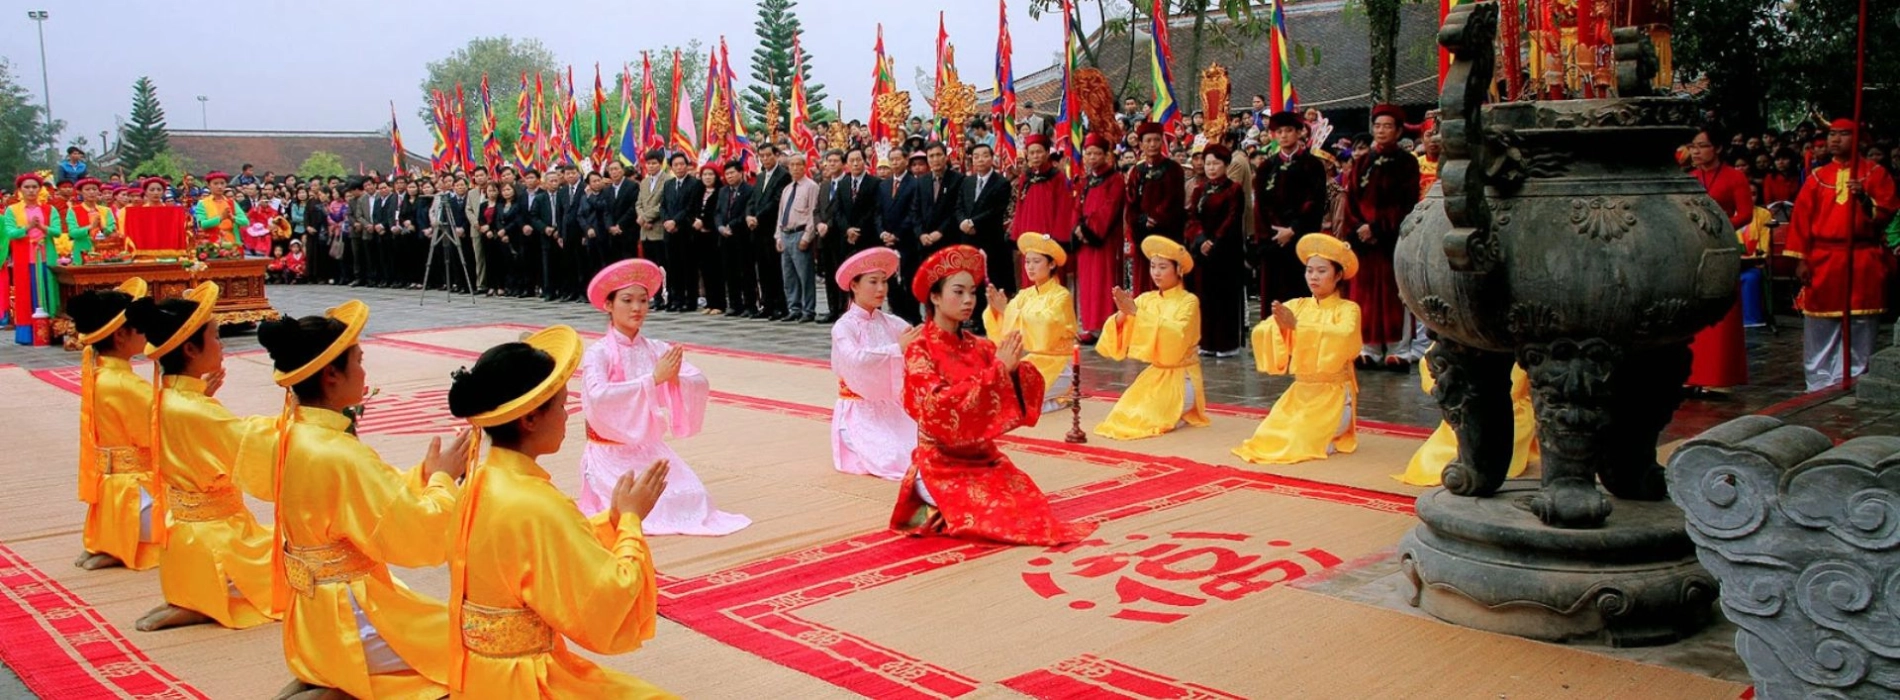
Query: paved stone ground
point(1774, 359)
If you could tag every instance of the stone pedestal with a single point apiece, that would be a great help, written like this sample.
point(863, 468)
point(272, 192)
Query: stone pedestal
point(1490, 564)
point(1881, 384)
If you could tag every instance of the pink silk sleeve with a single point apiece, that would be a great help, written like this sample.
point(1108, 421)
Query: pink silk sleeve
point(873, 367)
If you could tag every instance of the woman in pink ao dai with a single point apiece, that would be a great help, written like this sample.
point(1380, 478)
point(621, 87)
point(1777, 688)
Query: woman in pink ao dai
point(870, 432)
point(635, 392)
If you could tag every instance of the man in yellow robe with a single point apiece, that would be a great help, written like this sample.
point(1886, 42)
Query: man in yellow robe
point(115, 432)
point(527, 572)
point(343, 517)
point(1044, 313)
point(1163, 329)
point(216, 563)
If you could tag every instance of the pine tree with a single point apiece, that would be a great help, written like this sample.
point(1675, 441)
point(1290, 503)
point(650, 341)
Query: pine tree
point(772, 66)
point(145, 137)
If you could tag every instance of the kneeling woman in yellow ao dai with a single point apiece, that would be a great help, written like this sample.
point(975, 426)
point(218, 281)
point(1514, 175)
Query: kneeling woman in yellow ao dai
point(115, 432)
point(1315, 339)
point(1427, 467)
point(528, 572)
point(1043, 313)
point(1163, 329)
point(216, 566)
point(344, 516)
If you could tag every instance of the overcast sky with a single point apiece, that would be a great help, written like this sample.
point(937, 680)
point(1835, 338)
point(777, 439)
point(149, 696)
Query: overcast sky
point(336, 64)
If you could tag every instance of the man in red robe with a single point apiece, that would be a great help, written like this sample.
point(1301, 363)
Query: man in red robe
point(1721, 355)
point(1099, 235)
point(1835, 233)
point(1045, 203)
point(1380, 191)
point(1157, 198)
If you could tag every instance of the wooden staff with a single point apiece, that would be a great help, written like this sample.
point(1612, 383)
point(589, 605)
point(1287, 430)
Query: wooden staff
point(1075, 435)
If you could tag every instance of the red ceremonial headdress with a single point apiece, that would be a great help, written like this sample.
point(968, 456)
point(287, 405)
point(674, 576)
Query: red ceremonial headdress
point(28, 177)
point(1148, 127)
point(1098, 141)
point(1389, 110)
point(149, 181)
point(216, 175)
point(947, 262)
point(1846, 125)
point(84, 181)
point(1219, 152)
point(1036, 140)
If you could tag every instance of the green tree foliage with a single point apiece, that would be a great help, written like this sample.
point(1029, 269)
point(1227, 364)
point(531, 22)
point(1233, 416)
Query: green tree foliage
point(1772, 61)
point(772, 66)
point(24, 136)
point(144, 137)
point(322, 164)
point(165, 164)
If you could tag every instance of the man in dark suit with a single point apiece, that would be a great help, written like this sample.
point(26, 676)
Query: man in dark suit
point(538, 229)
point(857, 214)
point(762, 215)
point(595, 216)
point(897, 226)
point(982, 207)
point(736, 249)
point(621, 238)
point(679, 208)
point(830, 239)
point(387, 213)
point(561, 252)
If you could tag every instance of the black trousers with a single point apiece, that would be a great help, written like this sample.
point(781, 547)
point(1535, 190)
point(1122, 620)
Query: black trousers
point(527, 263)
point(682, 278)
point(711, 268)
point(830, 256)
point(770, 277)
point(902, 302)
point(553, 265)
point(741, 270)
point(596, 253)
point(498, 259)
point(654, 249)
point(1000, 267)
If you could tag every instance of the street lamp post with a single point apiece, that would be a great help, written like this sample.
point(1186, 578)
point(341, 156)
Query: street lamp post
point(46, 90)
point(204, 121)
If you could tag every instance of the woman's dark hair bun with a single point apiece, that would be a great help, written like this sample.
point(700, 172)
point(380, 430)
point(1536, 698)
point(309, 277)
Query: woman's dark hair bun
point(294, 342)
point(92, 310)
point(141, 314)
point(500, 375)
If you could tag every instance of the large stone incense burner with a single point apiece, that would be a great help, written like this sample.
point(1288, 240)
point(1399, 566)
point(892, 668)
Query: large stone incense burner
point(1563, 237)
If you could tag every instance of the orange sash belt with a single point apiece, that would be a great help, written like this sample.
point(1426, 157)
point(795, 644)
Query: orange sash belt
point(597, 437)
point(504, 632)
point(845, 392)
point(337, 562)
point(204, 506)
point(122, 460)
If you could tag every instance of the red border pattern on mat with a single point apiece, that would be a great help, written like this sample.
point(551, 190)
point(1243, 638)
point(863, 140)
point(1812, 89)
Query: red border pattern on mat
point(60, 647)
point(1089, 675)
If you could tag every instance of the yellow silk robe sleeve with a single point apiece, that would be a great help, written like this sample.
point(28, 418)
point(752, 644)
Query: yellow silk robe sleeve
point(1326, 340)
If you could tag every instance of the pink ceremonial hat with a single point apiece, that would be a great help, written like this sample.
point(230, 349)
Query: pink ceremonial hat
point(871, 260)
point(624, 274)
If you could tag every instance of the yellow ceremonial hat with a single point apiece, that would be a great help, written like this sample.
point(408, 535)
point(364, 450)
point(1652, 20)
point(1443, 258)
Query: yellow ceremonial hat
point(1166, 249)
point(1320, 245)
point(1042, 244)
point(564, 345)
point(205, 295)
point(354, 314)
point(134, 287)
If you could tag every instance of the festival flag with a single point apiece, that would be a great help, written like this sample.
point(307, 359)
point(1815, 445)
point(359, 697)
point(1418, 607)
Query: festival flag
point(1444, 54)
point(603, 134)
point(685, 137)
point(1165, 111)
point(802, 137)
point(649, 107)
point(553, 149)
point(945, 75)
point(880, 78)
point(395, 141)
point(1069, 135)
point(438, 153)
point(711, 141)
point(534, 126)
point(570, 149)
point(739, 144)
point(491, 146)
point(524, 134)
point(1280, 94)
point(1003, 108)
point(464, 158)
